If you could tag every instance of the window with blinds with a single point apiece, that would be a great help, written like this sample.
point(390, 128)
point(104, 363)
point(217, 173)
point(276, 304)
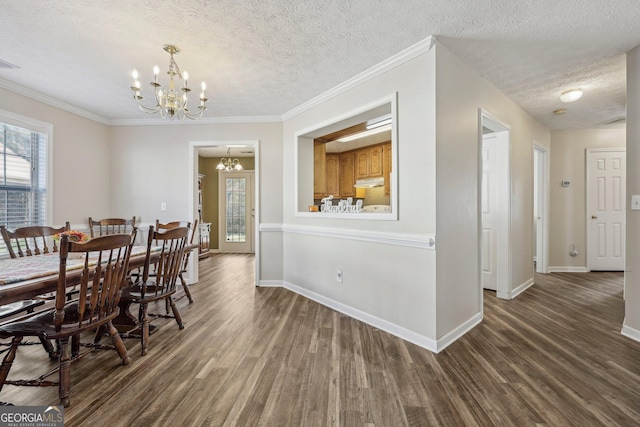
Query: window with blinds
point(23, 177)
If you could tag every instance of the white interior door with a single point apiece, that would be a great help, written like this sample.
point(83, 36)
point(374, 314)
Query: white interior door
point(540, 191)
point(489, 212)
point(495, 207)
point(606, 193)
point(236, 212)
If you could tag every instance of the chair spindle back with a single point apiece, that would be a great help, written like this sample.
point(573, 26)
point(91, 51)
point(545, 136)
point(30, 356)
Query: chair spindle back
point(31, 240)
point(107, 226)
point(172, 243)
point(104, 272)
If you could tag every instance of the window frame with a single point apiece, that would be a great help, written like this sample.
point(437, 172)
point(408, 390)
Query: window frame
point(34, 125)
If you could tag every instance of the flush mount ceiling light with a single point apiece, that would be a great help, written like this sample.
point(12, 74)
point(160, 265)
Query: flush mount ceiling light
point(169, 102)
point(359, 135)
point(571, 95)
point(379, 121)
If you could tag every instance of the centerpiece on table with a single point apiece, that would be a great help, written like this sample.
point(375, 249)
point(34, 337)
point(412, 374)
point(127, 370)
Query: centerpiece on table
point(74, 236)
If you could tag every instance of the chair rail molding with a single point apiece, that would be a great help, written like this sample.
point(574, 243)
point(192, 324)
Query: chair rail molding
point(421, 241)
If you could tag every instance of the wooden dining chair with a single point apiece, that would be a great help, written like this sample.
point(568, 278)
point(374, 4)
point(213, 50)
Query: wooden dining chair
point(31, 240)
point(162, 285)
point(102, 277)
point(24, 242)
point(104, 227)
point(187, 253)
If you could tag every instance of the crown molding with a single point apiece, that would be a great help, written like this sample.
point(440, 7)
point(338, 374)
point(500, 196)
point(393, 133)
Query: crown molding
point(29, 93)
point(156, 121)
point(384, 66)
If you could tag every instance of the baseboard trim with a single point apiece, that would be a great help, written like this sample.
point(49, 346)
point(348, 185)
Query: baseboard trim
point(517, 291)
point(430, 344)
point(453, 336)
point(271, 284)
point(630, 332)
point(520, 289)
point(383, 325)
point(561, 269)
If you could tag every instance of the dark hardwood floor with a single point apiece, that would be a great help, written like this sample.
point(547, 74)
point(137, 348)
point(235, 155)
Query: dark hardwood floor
point(250, 356)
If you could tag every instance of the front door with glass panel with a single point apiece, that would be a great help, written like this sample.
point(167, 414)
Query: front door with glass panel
point(236, 212)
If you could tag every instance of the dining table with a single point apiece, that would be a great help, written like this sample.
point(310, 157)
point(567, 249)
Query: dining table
point(27, 277)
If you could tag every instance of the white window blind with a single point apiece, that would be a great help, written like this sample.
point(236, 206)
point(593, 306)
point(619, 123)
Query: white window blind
point(23, 177)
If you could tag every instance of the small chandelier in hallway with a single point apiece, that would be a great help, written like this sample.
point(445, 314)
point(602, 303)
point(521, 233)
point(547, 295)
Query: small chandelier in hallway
point(229, 165)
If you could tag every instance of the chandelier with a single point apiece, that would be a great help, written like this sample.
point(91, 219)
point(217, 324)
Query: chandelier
point(229, 165)
point(170, 102)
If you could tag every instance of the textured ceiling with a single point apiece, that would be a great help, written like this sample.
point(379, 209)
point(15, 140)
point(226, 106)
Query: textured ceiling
point(266, 57)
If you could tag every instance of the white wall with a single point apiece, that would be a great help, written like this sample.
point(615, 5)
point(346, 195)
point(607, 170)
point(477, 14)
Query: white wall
point(391, 284)
point(149, 165)
point(435, 296)
point(80, 167)
point(632, 267)
point(567, 224)
point(460, 93)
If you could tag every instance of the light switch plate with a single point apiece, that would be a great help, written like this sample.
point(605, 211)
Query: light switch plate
point(635, 202)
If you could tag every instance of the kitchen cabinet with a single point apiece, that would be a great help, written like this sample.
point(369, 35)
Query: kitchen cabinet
point(333, 175)
point(319, 170)
point(336, 174)
point(386, 167)
point(369, 162)
point(347, 174)
point(375, 161)
point(362, 164)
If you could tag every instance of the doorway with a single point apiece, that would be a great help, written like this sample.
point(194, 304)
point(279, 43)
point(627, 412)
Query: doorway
point(194, 148)
point(540, 207)
point(495, 206)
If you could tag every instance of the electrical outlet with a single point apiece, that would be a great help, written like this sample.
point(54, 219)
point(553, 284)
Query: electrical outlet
point(339, 276)
point(163, 206)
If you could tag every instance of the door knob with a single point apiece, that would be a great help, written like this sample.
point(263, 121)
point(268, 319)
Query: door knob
point(594, 217)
